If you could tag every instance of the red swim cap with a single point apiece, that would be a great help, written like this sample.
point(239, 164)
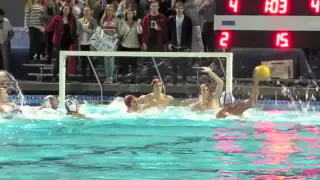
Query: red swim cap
point(128, 99)
point(156, 80)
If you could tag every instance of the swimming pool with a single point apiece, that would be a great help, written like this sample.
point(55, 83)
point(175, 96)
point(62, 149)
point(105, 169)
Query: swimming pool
point(173, 145)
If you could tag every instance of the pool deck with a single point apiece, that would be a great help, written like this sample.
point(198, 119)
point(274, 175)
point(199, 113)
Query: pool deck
point(87, 88)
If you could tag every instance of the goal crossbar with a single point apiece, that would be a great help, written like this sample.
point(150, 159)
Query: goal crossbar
point(64, 54)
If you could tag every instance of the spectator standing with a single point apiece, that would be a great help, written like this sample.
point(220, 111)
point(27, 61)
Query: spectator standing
point(110, 25)
point(91, 3)
point(124, 6)
point(144, 8)
point(51, 9)
point(33, 23)
point(191, 10)
point(179, 40)
point(129, 31)
point(207, 12)
point(6, 34)
point(76, 11)
point(86, 26)
point(154, 35)
point(65, 34)
point(115, 4)
point(76, 8)
point(154, 26)
point(97, 11)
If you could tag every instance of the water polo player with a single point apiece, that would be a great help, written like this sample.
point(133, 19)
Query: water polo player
point(72, 107)
point(50, 102)
point(157, 96)
point(133, 107)
point(5, 105)
point(227, 100)
point(209, 100)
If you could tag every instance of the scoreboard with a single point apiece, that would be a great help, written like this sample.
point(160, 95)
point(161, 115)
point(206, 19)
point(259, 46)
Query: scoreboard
point(268, 23)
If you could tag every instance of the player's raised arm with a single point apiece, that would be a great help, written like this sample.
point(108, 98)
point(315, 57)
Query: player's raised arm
point(261, 72)
point(219, 87)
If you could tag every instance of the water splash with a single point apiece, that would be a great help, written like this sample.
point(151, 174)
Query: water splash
point(12, 87)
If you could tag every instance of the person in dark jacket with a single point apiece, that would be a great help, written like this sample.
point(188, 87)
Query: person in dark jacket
point(154, 35)
point(179, 40)
point(7, 33)
point(65, 34)
point(51, 9)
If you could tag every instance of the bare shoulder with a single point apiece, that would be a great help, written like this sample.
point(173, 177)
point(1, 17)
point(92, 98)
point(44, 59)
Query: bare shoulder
point(145, 96)
point(168, 97)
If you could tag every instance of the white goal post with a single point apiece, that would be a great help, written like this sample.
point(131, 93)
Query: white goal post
point(64, 54)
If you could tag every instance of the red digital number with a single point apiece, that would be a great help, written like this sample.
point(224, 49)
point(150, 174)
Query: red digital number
point(315, 5)
point(224, 39)
point(234, 5)
point(282, 40)
point(276, 6)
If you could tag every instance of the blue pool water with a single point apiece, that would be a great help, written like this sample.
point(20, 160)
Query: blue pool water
point(172, 145)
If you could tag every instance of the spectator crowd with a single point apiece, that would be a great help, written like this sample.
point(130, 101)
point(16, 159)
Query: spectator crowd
point(139, 25)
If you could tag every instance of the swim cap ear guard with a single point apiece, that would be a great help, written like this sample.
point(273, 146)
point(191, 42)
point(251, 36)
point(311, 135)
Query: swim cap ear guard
point(47, 101)
point(227, 98)
point(71, 104)
point(127, 100)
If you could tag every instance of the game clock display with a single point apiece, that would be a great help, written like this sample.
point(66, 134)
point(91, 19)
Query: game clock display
point(298, 19)
point(268, 39)
point(268, 7)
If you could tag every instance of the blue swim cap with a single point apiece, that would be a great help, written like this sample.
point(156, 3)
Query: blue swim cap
point(227, 98)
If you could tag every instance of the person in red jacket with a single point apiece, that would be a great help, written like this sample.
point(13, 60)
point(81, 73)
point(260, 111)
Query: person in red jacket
point(65, 34)
point(154, 35)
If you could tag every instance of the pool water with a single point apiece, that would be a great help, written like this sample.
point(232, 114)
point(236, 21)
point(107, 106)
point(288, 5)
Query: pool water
point(173, 145)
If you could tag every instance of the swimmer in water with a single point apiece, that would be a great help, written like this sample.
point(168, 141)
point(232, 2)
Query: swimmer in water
point(5, 105)
point(209, 100)
point(156, 95)
point(229, 107)
point(72, 107)
point(50, 102)
point(133, 106)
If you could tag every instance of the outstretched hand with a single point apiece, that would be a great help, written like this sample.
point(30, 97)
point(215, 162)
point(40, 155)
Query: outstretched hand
point(206, 69)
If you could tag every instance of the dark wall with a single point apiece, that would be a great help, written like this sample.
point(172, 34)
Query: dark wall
point(14, 10)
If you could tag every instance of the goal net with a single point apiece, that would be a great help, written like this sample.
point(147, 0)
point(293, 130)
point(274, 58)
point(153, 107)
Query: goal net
point(133, 69)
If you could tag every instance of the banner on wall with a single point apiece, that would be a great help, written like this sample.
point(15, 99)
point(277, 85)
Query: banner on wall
point(197, 43)
point(102, 42)
point(282, 69)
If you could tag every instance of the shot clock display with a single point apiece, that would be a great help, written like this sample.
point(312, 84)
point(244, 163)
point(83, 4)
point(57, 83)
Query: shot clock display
point(268, 7)
point(267, 23)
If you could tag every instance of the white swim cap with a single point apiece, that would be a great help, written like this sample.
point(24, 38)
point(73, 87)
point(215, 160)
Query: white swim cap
point(226, 98)
point(47, 101)
point(71, 104)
